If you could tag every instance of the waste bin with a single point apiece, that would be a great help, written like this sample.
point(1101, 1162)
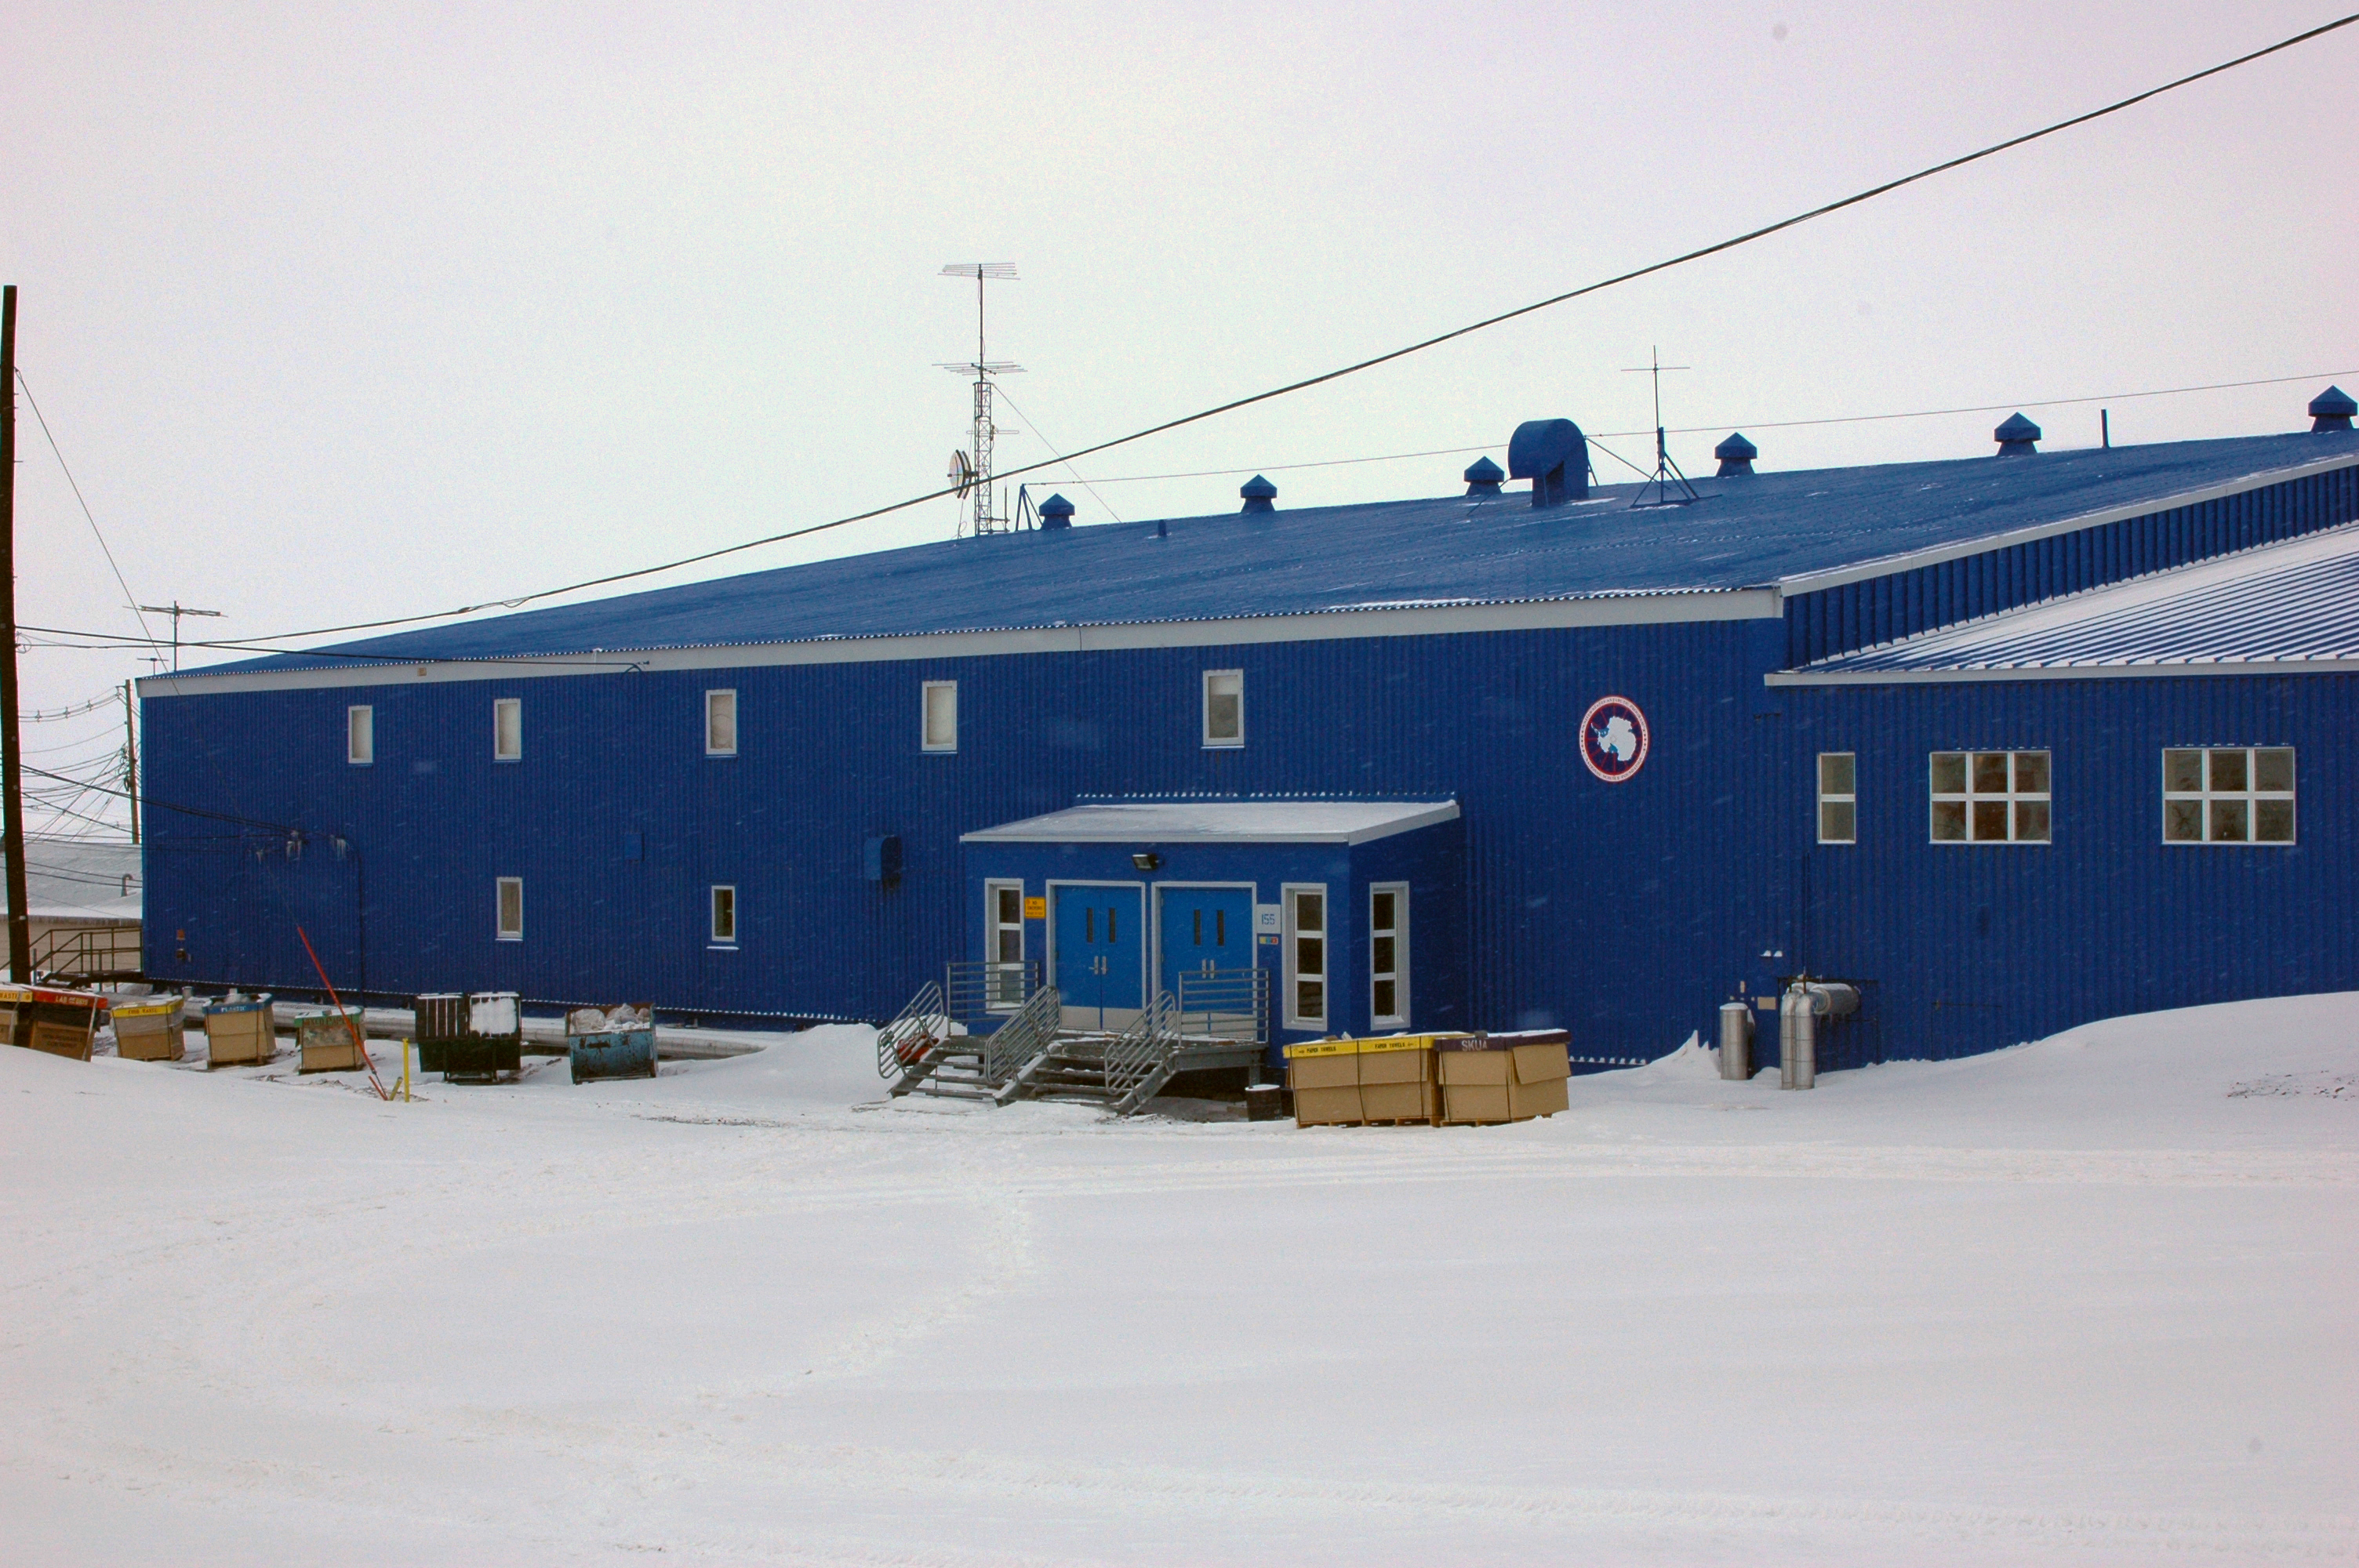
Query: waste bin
point(612, 1042)
point(151, 1030)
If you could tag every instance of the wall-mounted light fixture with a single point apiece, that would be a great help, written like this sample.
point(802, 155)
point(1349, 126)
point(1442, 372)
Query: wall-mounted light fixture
point(1146, 860)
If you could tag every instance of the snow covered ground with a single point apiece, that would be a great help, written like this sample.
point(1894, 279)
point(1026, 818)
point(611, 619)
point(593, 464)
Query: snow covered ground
point(2091, 1298)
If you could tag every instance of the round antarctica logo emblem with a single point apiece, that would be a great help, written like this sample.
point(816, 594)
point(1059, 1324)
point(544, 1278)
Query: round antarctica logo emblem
point(1613, 738)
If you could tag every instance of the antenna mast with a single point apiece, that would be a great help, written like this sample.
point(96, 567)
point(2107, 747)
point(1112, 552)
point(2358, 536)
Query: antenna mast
point(971, 469)
point(1667, 473)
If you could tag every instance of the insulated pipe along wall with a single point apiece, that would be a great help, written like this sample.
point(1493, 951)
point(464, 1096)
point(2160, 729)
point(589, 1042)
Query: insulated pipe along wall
point(1804, 1003)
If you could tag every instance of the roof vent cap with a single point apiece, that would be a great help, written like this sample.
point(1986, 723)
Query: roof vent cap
point(1482, 477)
point(2016, 436)
point(2331, 410)
point(1735, 455)
point(1554, 455)
point(1259, 493)
point(1056, 512)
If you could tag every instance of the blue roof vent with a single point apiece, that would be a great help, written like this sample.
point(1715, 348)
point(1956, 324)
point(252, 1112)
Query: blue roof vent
point(2015, 436)
point(1482, 477)
point(1735, 455)
point(1554, 455)
point(1056, 512)
point(2331, 410)
point(1259, 493)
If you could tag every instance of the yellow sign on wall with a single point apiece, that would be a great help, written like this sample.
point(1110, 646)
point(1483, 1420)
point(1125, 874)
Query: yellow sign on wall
point(1036, 909)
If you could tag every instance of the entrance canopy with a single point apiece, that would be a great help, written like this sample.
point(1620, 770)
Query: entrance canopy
point(1224, 822)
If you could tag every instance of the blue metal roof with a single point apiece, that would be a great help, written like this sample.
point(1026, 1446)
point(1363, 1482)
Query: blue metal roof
point(1453, 550)
point(2296, 601)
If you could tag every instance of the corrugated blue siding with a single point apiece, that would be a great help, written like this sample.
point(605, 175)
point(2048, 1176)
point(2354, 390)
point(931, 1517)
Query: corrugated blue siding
point(1613, 908)
point(1883, 608)
point(1967, 947)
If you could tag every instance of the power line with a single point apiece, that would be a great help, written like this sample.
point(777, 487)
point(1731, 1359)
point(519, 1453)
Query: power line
point(76, 485)
point(1748, 237)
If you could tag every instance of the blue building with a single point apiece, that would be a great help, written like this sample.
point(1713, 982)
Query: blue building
point(1514, 758)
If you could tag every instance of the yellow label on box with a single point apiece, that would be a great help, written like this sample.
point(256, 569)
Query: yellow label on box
point(1323, 1048)
point(1036, 909)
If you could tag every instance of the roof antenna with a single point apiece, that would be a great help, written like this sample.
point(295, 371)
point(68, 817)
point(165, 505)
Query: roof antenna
point(970, 470)
point(1665, 472)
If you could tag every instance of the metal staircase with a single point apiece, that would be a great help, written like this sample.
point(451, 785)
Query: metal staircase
point(991, 1032)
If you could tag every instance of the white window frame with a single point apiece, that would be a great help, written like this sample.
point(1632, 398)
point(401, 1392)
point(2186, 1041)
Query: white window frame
point(507, 716)
point(359, 735)
point(1289, 894)
point(2209, 800)
point(712, 912)
point(926, 739)
point(1224, 743)
point(500, 928)
point(730, 692)
point(1002, 992)
point(1398, 974)
point(1828, 797)
point(2014, 799)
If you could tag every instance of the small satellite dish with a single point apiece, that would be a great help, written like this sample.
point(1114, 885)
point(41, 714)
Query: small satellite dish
point(961, 471)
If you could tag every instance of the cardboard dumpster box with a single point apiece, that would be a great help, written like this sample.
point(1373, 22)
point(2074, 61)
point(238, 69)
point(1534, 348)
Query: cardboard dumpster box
point(45, 1017)
point(331, 1041)
point(240, 1034)
point(1504, 1078)
point(1396, 1079)
point(1325, 1077)
point(151, 1030)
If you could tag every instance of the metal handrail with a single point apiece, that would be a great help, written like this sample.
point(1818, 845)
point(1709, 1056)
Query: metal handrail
point(1008, 1049)
point(1139, 1051)
point(89, 952)
point(1225, 1004)
point(978, 990)
point(916, 1030)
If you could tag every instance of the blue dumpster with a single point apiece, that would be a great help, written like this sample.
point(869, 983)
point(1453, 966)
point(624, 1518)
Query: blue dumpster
point(612, 1042)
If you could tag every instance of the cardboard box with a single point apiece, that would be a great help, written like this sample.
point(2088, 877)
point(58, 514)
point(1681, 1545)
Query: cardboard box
point(1325, 1077)
point(1396, 1102)
point(1317, 1108)
point(1504, 1078)
point(330, 1042)
point(239, 1033)
point(150, 1031)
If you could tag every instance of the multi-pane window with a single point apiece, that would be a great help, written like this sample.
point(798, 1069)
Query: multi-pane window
point(720, 723)
point(725, 914)
point(1990, 797)
point(1388, 955)
point(507, 728)
point(941, 717)
point(509, 914)
point(1224, 708)
point(360, 735)
point(1002, 909)
point(2228, 795)
point(1838, 797)
point(1306, 957)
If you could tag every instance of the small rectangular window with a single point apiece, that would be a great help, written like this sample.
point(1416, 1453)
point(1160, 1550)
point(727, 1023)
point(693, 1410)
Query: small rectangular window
point(1306, 957)
point(1838, 797)
point(720, 723)
point(1388, 955)
point(511, 909)
point(1224, 708)
point(1990, 797)
point(360, 735)
point(941, 716)
point(725, 914)
point(1003, 912)
point(2228, 795)
point(507, 728)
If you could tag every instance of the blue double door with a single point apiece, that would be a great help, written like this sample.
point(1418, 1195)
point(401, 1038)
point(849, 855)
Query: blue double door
point(1099, 938)
point(1100, 948)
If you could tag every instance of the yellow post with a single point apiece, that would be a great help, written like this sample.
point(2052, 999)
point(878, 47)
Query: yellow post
point(405, 1072)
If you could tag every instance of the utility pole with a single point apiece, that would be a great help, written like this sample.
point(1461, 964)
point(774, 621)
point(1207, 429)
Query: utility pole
point(131, 757)
point(12, 761)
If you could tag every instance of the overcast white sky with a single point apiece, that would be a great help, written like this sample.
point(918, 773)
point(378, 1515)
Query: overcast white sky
point(344, 311)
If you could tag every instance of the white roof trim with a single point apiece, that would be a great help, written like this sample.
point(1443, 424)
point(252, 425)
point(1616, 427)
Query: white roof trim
point(1309, 626)
point(1223, 822)
point(1836, 577)
point(2065, 672)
